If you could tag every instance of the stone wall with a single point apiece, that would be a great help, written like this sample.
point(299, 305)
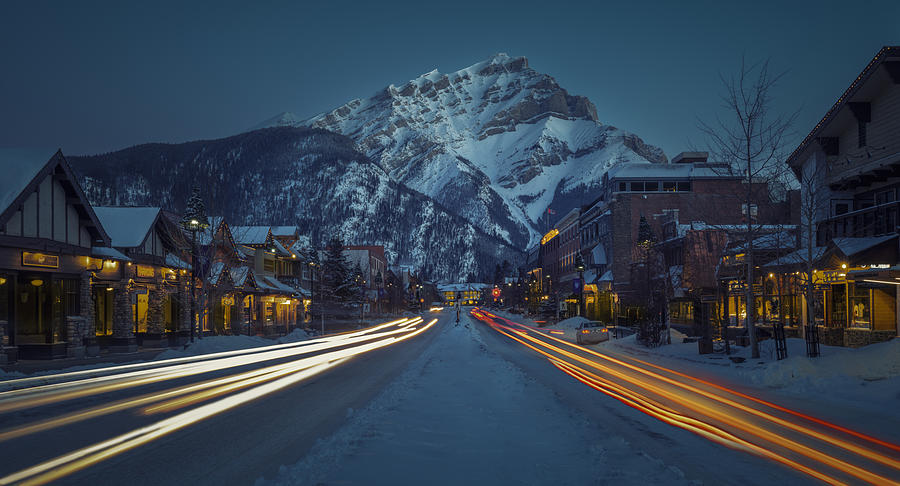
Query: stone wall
point(123, 340)
point(76, 329)
point(854, 338)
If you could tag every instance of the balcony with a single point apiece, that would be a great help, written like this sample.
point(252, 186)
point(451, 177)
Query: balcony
point(846, 174)
point(874, 221)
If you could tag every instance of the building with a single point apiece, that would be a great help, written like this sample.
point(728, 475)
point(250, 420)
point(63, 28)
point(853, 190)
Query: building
point(150, 290)
point(637, 200)
point(849, 172)
point(48, 232)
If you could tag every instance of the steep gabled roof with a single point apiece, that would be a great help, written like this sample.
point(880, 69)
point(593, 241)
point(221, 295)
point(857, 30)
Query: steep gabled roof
point(251, 235)
point(885, 53)
point(23, 170)
point(19, 167)
point(127, 227)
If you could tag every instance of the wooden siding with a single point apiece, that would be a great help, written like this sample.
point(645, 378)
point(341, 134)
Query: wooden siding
point(885, 126)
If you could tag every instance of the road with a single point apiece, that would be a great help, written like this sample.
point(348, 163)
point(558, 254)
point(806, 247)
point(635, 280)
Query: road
point(228, 418)
point(489, 400)
point(794, 444)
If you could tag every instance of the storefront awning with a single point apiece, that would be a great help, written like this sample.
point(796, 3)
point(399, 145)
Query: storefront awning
point(881, 275)
point(108, 252)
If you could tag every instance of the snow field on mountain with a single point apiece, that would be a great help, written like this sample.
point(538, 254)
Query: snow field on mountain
point(461, 414)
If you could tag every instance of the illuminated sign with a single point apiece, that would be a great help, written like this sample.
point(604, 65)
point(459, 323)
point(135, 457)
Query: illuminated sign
point(495, 292)
point(549, 236)
point(30, 259)
point(145, 271)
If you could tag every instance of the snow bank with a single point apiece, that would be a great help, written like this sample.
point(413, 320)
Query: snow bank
point(218, 344)
point(836, 364)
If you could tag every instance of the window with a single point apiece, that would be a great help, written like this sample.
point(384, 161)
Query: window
point(623, 187)
point(637, 187)
point(684, 186)
point(668, 186)
point(651, 186)
point(884, 197)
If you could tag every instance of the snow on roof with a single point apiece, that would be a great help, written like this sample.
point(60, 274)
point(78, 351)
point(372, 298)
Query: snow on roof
point(175, 262)
point(281, 250)
point(107, 252)
point(206, 235)
point(607, 277)
point(126, 226)
point(215, 272)
point(852, 246)
point(798, 257)
point(274, 285)
point(19, 167)
point(463, 287)
point(285, 230)
point(250, 235)
point(239, 275)
point(647, 170)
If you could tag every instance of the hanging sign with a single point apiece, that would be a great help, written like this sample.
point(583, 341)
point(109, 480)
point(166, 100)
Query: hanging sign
point(30, 259)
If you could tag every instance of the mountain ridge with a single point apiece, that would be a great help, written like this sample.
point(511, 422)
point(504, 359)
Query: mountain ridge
point(497, 141)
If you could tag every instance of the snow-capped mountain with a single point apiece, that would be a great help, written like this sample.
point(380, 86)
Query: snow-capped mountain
point(498, 142)
point(298, 176)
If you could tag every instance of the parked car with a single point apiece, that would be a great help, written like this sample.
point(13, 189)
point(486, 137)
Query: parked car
point(591, 332)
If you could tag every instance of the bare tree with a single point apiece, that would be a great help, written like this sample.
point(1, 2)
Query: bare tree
point(752, 139)
point(813, 202)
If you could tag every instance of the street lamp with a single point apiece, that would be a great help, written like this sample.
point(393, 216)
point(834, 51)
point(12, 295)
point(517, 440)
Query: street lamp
point(194, 220)
point(579, 267)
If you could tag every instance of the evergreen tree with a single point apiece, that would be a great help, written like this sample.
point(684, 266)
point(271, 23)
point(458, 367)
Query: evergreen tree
point(195, 211)
point(498, 275)
point(336, 281)
point(645, 237)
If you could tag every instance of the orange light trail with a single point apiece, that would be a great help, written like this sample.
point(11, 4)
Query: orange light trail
point(644, 404)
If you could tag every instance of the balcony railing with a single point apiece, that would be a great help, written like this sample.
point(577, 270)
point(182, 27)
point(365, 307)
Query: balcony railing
point(874, 221)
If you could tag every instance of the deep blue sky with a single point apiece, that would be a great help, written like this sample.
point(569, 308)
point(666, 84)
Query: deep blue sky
point(97, 76)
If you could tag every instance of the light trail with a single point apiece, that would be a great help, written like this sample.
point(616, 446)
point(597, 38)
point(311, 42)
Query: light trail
point(46, 394)
point(693, 401)
point(31, 381)
point(237, 389)
point(894, 463)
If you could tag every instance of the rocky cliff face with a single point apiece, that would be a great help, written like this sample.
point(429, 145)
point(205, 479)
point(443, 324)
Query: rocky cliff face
point(303, 176)
point(498, 142)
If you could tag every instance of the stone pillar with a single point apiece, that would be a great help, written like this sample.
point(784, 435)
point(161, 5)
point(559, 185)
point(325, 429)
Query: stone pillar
point(184, 321)
point(123, 340)
point(156, 323)
point(7, 352)
point(76, 329)
point(89, 340)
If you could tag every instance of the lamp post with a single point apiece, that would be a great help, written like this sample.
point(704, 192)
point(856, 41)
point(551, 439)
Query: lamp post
point(579, 267)
point(194, 220)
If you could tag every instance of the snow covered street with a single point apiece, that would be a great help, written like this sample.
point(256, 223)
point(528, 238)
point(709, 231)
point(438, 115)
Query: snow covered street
point(463, 414)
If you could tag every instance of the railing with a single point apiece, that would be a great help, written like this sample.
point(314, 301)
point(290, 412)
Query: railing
point(874, 221)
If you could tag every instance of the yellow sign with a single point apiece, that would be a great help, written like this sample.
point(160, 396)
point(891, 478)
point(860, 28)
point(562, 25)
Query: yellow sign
point(30, 259)
point(145, 271)
point(549, 236)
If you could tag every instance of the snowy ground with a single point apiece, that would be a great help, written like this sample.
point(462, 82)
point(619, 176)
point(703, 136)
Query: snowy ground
point(461, 414)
